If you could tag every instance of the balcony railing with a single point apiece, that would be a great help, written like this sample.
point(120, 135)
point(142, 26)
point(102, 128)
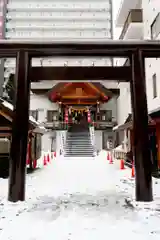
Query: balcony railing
point(102, 125)
point(99, 125)
point(134, 16)
point(56, 125)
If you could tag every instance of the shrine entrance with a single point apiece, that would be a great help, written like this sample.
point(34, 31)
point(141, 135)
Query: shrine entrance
point(78, 115)
point(134, 73)
point(80, 101)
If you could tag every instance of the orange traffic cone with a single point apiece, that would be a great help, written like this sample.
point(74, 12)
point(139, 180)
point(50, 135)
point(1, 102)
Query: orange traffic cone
point(108, 157)
point(44, 161)
point(122, 164)
point(48, 158)
point(132, 172)
point(111, 160)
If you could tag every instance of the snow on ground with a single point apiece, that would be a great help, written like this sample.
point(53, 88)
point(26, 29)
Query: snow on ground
point(79, 200)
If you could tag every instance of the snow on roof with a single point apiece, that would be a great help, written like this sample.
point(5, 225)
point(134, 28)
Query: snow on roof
point(115, 128)
point(31, 119)
point(7, 105)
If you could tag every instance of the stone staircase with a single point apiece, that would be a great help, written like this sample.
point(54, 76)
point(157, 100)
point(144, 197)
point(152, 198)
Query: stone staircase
point(78, 142)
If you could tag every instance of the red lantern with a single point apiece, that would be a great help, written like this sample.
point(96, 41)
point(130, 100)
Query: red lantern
point(66, 116)
point(89, 117)
point(105, 98)
point(53, 96)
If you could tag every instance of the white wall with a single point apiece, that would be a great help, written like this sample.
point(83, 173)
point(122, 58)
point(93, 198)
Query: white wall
point(42, 103)
point(46, 141)
point(124, 100)
point(98, 140)
point(111, 105)
point(150, 11)
point(110, 84)
point(123, 103)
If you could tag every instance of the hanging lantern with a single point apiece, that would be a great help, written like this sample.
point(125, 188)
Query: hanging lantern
point(105, 98)
point(89, 117)
point(66, 116)
point(53, 96)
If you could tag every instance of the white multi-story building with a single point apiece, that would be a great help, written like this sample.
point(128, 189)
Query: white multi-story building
point(140, 19)
point(151, 17)
point(58, 20)
point(130, 20)
point(73, 20)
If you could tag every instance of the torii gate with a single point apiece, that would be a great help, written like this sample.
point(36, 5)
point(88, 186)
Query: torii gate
point(136, 51)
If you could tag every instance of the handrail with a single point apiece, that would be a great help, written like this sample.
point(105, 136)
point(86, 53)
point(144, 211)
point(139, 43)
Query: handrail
point(62, 142)
point(92, 135)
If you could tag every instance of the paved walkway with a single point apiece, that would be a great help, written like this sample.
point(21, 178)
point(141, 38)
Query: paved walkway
point(73, 200)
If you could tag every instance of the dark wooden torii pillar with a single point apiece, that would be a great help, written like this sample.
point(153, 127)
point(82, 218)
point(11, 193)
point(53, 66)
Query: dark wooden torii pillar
point(141, 151)
point(20, 130)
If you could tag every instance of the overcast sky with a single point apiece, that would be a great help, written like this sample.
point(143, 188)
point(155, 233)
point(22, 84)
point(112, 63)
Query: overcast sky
point(116, 5)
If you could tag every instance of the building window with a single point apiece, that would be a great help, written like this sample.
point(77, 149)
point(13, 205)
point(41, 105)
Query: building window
point(155, 27)
point(103, 117)
point(106, 115)
point(109, 115)
point(52, 116)
point(154, 79)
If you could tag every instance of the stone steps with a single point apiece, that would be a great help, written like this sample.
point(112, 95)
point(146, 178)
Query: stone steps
point(78, 143)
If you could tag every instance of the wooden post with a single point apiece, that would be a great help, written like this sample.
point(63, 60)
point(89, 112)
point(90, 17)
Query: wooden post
point(140, 129)
point(20, 130)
